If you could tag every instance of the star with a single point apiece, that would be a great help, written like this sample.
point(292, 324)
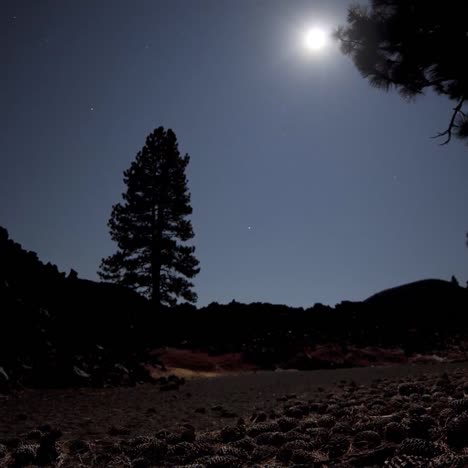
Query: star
point(91, 108)
point(249, 228)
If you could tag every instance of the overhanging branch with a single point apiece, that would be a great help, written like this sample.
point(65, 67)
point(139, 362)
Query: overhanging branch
point(456, 110)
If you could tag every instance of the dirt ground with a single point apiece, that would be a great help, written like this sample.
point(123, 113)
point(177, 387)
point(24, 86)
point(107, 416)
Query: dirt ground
point(206, 403)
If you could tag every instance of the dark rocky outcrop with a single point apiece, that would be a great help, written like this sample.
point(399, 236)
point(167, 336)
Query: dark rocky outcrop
point(60, 330)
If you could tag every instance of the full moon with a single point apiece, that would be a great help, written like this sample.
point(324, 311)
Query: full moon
point(315, 39)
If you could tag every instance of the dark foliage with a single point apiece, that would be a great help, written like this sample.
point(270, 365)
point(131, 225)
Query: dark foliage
point(59, 330)
point(151, 227)
point(413, 45)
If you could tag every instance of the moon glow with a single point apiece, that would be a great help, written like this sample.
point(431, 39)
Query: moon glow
point(315, 39)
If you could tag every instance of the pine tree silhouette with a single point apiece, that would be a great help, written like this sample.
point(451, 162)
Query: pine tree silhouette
point(151, 227)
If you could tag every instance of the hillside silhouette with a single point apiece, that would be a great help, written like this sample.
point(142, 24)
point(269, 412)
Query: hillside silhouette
point(429, 292)
point(62, 330)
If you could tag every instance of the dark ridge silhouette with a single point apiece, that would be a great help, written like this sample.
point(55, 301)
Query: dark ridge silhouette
point(424, 292)
point(60, 330)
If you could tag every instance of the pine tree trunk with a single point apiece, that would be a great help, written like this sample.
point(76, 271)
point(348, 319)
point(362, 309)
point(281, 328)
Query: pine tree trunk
point(156, 280)
point(156, 261)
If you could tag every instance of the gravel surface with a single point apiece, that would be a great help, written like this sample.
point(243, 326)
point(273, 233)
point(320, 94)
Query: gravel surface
point(389, 416)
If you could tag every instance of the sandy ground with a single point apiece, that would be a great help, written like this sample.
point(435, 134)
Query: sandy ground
point(187, 362)
point(145, 409)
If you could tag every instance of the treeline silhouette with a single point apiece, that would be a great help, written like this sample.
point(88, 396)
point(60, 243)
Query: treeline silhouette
point(60, 330)
point(420, 317)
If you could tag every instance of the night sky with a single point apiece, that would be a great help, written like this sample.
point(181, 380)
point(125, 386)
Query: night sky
point(307, 184)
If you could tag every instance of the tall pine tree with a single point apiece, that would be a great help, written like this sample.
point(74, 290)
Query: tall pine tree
point(151, 227)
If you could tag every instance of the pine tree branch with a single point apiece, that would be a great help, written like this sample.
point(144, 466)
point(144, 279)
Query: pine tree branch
point(456, 110)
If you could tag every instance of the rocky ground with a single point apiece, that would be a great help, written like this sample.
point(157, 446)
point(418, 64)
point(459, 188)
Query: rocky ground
point(402, 416)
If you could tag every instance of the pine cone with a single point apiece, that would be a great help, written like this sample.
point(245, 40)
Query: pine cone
point(418, 448)
point(286, 423)
point(298, 411)
point(230, 451)
point(256, 429)
point(154, 450)
point(395, 432)
point(275, 439)
point(342, 428)
point(246, 444)
point(134, 442)
point(337, 446)
point(218, 461)
point(296, 434)
point(25, 455)
point(445, 415)
point(367, 439)
point(232, 433)
point(319, 434)
point(459, 405)
point(262, 453)
point(450, 460)
point(327, 421)
point(416, 409)
point(419, 426)
point(456, 431)
point(303, 457)
point(406, 461)
point(297, 445)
